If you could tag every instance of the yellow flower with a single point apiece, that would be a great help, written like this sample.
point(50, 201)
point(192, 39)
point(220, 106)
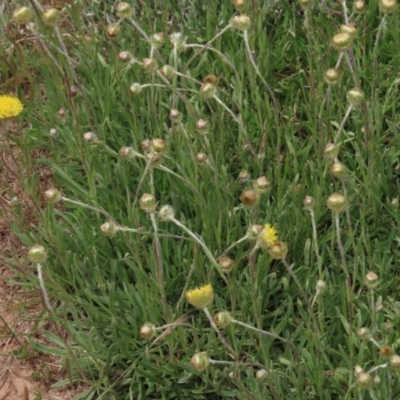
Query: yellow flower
point(200, 297)
point(267, 237)
point(10, 106)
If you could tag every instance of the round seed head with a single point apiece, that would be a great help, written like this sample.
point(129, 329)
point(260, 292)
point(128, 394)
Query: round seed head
point(113, 30)
point(338, 169)
point(278, 250)
point(51, 17)
point(37, 254)
point(250, 198)
point(349, 28)
point(177, 39)
point(364, 380)
point(336, 202)
point(226, 264)
point(244, 176)
point(136, 88)
point(261, 374)
point(387, 6)
point(386, 352)
point(52, 195)
point(157, 40)
point(200, 362)
point(239, 5)
point(123, 10)
point(342, 41)
point(355, 96)
point(364, 333)
point(125, 56)
point(395, 362)
point(331, 151)
point(158, 146)
point(309, 203)
point(240, 22)
point(148, 203)
point(262, 184)
point(167, 72)
point(202, 127)
point(359, 6)
point(175, 115)
point(148, 331)
point(149, 65)
point(223, 319)
point(166, 213)
point(332, 76)
point(22, 15)
point(371, 280)
point(108, 228)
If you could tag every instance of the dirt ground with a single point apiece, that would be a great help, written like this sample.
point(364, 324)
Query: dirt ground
point(24, 374)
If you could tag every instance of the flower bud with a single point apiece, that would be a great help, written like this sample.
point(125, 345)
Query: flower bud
point(158, 146)
point(338, 169)
point(386, 352)
point(14, 201)
point(244, 176)
point(253, 231)
point(240, 22)
point(250, 198)
point(146, 145)
point(52, 196)
point(109, 228)
point(364, 333)
point(395, 203)
point(350, 29)
point(200, 297)
point(177, 39)
point(262, 184)
point(149, 65)
point(53, 132)
point(90, 138)
point(395, 362)
point(332, 76)
point(113, 30)
point(167, 72)
point(136, 88)
point(125, 56)
point(336, 202)
point(62, 112)
point(166, 213)
point(364, 380)
point(72, 91)
point(37, 254)
point(127, 152)
point(309, 203)
point(201, 158)
point(239, 5)
point(175, 116)
point(355, 96)
point(357, 370)
point(223, 319)
point(51, 17)
point(208, 90)
point(148, 331)
point(331, 151)
point(261, 375)
point(202, 127)
point(371, 280)
point(226, 264)
point(358, 6)
point(22, 15)
point(387, 6)
point(377, 380)
point(200, 362)
point(123, 10)
point(278, 250)
point(342, 41)
point(148, 203)
point(157, 40)
point(320, 286)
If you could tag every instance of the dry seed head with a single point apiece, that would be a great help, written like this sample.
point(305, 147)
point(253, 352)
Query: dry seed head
point(223, 319)
point(109, 228)
point(158, 146)
point(37, 254)
point(52, 195)
point(331, 151)
point(309, 203)
point(200, 362)
point(166, 213)
point(262, 184)
point(336, 202)
point(278, 250)
point(51, 17)
point(22, 15)
point(123, 10)
point(149, 65)
point(355, 96)
point(364, 380)
point(240, 22)
point(371, 280)
point(386, 352)
point(125, 56)
point(338, 169)
point(359, 6)
point(136, 88)
point(395, 362)
point(148, 203)
point(342, 41)
point(202, 127)
point(239, 5)
point(113, 30)
point(148, 330)
point(387, 6)
point(332, 76)
point(250, 198)
point(167, 72)
point(262, 374)
point(208, 90)
point(157, 40)
point(364, 333)
point(175, 115)
point(226, 264)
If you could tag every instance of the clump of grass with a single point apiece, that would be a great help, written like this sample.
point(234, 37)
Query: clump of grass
point(242, 149)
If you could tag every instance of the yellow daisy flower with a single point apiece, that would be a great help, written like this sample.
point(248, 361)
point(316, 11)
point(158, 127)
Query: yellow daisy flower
point(268, 236)
point(10, 106)
point(200, 297)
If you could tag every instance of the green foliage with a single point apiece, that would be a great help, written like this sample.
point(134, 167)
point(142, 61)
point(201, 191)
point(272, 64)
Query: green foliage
point(273, 123)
